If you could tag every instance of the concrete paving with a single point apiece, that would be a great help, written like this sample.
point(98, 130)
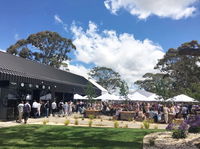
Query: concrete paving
point(103, 121)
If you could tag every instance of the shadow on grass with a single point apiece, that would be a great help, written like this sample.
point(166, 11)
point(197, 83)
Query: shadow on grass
point(40, 136)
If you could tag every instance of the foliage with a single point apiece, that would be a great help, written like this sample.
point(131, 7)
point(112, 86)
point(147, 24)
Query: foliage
point(179, 134)
point(152, 142)
point(67, 122)
point(171, 126)
point(76, 122)
point(193, 129)
point(91, 116)
point(90, 123)
point(45, 121)
point(90, 92)
point(156, 127)
point(116, 124)
point(193, 121)
point(180, 73)
point(141, 126)
point(146, 124)
point(45, 47)
point(109, 79)
point(62, 137)
point(124, 90)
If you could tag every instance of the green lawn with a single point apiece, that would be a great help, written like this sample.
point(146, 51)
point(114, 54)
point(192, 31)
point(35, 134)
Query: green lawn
point(60, 137)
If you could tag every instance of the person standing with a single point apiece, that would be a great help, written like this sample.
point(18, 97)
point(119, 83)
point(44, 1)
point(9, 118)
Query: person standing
point(46, 107)
point(20, 108)
point(166, 113)
point(26, 111)
point(35, 109)
point(53, 107)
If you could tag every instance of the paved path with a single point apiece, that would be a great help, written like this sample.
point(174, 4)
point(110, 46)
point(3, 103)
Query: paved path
point(104, 121)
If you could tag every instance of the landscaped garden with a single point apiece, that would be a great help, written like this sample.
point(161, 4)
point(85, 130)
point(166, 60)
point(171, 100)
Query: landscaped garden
point(46, 136)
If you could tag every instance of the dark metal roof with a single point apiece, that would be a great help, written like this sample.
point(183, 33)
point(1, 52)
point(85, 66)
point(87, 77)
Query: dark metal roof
point(33, 71)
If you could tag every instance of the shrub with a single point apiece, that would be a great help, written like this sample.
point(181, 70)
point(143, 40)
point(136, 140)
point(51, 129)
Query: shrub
point(146, 124)
point(90, 123)
point(126, 126)
point(67, 122)
point(76, 122)
point(130, 119)
point(75, 117)
point(141, 126)
point(82, 118)
point(45, 122)
point(91, 116)
point(179, 134)
point(116, 124)
point(171, 126)
point(156, 127)
point(193, 121)
point(193, 129)
point(152, 142)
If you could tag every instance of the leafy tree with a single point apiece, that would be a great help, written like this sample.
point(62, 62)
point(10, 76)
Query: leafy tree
point(107, 78)
point(90, 92)
point(181, 70)
point(124, 90)
point(45, 47)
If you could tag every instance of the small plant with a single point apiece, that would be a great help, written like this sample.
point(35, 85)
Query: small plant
point(130, 119)
point(179, 134)
point(146, 124)
point(91, 117)
point(116, 124)
point(101, 120)
point(155, 126)
point(126, 126)
point(152, 142)
point(193, 129)
point(67, 122)
point(141, 126)
point(76, 122)
point(75, 117)
point(90, 123)
point(45, 122)
point(82, 118)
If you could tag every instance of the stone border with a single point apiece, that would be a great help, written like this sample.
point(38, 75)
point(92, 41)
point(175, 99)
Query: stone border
point(164, 140)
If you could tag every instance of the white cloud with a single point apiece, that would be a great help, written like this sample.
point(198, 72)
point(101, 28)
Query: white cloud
point(60, 21)
point(2, 50)
point(123, 53)
point(16, 36)
point(175, 9)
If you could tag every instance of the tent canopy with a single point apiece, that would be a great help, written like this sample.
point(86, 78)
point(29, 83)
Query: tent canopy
point(108, 96)
point(137, 97)
point(182, 98)
point(77, 96)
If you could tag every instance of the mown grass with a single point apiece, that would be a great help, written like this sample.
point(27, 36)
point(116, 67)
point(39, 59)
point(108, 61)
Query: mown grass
point(64, 137)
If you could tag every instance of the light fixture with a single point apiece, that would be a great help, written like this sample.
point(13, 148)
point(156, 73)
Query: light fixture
point(30, 85)
point(43, 87)
point(37, 86)
point(49, 87)
point(22, 84)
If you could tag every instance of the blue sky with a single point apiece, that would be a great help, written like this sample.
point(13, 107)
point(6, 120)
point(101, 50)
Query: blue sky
point(165, 27)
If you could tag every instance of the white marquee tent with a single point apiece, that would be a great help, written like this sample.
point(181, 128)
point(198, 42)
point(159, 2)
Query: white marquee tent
point(137, 97)
point(108, 96)
point(77, 96)
point(182, 98)
point(154, 97)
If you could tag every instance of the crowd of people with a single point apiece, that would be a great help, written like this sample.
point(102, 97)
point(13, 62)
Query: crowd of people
point(158, 112)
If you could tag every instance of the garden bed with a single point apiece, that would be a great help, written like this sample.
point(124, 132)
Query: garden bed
point(164, 140)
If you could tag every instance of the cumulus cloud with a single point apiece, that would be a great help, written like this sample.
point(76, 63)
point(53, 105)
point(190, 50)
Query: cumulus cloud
point(123, 53)
point(60, 21)
point(175, 9)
